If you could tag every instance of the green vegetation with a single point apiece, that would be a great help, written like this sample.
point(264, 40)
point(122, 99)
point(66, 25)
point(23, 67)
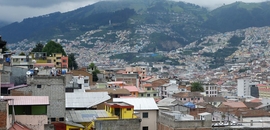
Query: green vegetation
point(53, 47)
point(72, 64)
point(95, 71)
point(38, 48)
point(239, 15)
point(196, 87)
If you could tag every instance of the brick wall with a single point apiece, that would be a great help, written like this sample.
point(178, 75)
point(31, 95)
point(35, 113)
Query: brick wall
point(3, 115)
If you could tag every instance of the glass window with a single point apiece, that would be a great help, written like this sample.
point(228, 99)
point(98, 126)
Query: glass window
point(145, 114)
point(145, 128)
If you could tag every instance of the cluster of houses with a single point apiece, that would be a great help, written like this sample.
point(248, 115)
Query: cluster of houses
point(34, 97)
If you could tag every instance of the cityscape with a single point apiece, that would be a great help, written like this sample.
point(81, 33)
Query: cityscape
point(133, 79)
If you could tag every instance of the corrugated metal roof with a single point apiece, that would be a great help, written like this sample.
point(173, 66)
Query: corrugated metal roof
point(28, 100)
point(85, 115)
point(85, 99)
point(139, 103)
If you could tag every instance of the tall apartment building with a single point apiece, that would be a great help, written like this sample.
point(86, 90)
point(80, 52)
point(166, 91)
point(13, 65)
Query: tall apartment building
point(244, 86)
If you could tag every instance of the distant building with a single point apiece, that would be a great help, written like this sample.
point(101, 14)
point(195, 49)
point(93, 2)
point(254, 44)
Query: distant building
point(210, 89)
point(244, 86)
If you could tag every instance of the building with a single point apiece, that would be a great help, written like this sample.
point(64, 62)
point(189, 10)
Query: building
point(59, 60)
point(210, 89)
point(174, 120)
point(244, 87)
point(31, 111)
point(141, 71)
point(45, 84)
point(194, 97)
point(129, 79)
point(86, 100)
point(83, 72)
point(145, 108)
point(115, 116)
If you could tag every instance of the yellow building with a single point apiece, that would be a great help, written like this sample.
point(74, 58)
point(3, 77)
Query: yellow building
point(114, 112)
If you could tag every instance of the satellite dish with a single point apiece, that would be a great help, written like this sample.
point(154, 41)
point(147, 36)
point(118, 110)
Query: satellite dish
point(34, 61)
point(28, 73)
point(36, 68)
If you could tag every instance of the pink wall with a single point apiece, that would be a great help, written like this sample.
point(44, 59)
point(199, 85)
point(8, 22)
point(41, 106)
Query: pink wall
point(35, 122)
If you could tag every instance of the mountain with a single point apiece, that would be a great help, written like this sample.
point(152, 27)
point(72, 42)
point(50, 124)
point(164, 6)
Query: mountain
point(169, 24)
point(239, 15)
point(3, 23)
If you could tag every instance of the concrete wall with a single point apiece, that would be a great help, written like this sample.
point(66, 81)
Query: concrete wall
point(34, 122)
point(3, 115)
point(122, 124)
point(18, 75)
point(52, 86)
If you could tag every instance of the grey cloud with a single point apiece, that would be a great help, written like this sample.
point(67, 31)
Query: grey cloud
point(36, 3)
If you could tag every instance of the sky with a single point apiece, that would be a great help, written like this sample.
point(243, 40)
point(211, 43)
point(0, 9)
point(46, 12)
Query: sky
point(17, 10)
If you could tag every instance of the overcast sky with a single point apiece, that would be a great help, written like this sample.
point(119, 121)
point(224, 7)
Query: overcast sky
point(17, 10)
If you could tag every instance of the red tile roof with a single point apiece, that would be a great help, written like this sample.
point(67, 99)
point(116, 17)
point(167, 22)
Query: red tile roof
point(131, 88)
point(234, 104)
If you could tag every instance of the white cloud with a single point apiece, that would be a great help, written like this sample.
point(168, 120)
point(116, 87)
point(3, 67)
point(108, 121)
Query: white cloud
point(211, 4)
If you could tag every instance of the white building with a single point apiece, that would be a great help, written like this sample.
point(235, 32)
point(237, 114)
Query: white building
point(244, 86)
point(145, 108)
point(210, 89)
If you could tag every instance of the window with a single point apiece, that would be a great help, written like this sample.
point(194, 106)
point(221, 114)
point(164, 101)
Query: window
point(191, 98)
point(154, 95)
point(184, 99)
point(145, 127)
point(38, 86)
point(128, 109)
point(148, 95)
point(198, 98)
point(85, 81)
point(148, 88)
point(53, 119)
point(64, 61)
point(145, 114)
point(142, 95)
point(62, 119)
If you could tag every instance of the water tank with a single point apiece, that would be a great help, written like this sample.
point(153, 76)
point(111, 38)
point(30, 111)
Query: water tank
point(7, 59)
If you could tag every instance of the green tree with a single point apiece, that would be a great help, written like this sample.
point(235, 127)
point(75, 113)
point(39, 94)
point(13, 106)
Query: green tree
point(22, 54)
point(92, 66)
point(197, 87)
point(95, 71)
point(72, 64)
point(38, 48)
point(53, 47)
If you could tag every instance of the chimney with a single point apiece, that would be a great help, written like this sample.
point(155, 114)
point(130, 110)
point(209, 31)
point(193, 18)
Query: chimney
point(3, 114)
